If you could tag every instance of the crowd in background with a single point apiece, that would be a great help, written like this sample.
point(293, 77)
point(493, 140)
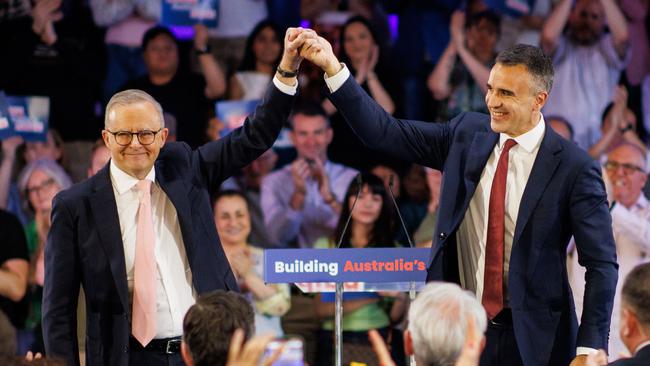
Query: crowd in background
point(433, 64)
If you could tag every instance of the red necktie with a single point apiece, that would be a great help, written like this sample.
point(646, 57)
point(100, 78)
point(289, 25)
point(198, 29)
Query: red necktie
point(493, 278)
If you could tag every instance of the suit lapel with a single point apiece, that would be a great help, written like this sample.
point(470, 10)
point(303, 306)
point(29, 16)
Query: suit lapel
point(478, 155)
point(104, 211)
point(544, 167)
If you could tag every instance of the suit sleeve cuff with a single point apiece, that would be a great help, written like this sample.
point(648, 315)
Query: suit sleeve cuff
point(286, 89)
point(335, 81)
point(585, 351)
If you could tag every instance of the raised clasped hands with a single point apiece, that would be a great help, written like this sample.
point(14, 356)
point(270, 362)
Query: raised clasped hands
point(304, 43)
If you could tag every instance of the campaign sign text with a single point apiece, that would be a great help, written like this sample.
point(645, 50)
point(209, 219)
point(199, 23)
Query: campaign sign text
point(346, 265)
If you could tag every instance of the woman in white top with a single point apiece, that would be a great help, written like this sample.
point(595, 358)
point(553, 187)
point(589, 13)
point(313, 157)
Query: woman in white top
point(261, 58)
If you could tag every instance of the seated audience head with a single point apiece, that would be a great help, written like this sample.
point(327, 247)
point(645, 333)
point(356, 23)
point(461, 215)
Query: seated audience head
point(259, 168)
point(635, 308)
point(561, 126)
point(263, 46)
point(232, 218)
point(160, 51)
point(438, 320)
point(134, 131)
point(373, 211)
point(518, 88)
point(415, 185)
point(586, 22)
point(358, 40)
point(626, 170)
point(40, 181)
point(51, 148)
point(99, 157)
point(310, 133)
point(385, 172)
point(209, 324)
point(482, 33)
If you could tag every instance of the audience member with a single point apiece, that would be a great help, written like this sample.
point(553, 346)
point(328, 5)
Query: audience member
point(388, 174)
point(413, 202)
point(371, 226)
point(587, 62)
point(236, 21)
point(459, 322)
point(361, 52)
point(182, 94)
point(302, 201)
point(645, 104)
point(38, 183)
point(209, 326)
point(618, 127)
point(14, 270)
point(426, 229)
point(261, 58)
point(625, 171)
point(99, 157)
point(561, 126)
point(525, 28)
point(249, 183)
point(126, 22)
point(460, 76)
point(635, 316)
point(271, 301)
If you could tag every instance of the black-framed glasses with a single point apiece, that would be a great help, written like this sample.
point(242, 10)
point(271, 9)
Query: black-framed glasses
point(124, 138)
point(44, 185)
point(627, 168)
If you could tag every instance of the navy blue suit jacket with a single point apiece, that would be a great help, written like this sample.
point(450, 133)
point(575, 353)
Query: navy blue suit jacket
point(85, 245)
point(641, 358)
point(564, 197)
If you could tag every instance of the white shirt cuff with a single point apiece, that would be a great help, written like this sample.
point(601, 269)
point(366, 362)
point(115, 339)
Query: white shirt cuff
point(585, 351)
point(335, 81)
point(286, 89)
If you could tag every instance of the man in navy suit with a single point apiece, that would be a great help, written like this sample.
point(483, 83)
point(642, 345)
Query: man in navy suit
point(146, 216)
point(505, 218)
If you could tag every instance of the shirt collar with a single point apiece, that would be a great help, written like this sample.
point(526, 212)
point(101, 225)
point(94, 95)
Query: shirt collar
point(642, 345)
point(123, 181)
point(642, 202)
point(530, 140)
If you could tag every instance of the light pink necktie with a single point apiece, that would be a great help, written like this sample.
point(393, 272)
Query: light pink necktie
point(144, 283)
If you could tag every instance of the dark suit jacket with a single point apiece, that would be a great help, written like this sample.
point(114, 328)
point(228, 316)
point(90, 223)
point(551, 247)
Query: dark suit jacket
point(564, 197)
point(85, 245)
point(642, 358)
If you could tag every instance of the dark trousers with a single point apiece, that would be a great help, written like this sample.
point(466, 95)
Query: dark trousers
point(501, 345)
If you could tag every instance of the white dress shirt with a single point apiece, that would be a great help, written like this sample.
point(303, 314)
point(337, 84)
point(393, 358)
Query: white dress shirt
point(174, 293)
point(472, 233)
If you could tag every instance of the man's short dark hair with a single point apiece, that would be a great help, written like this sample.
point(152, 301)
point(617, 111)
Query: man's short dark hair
point(636, 292)
point(310, 109)
point(563, 121)
point(155, 32)
point(534, 59)
point(209, 325)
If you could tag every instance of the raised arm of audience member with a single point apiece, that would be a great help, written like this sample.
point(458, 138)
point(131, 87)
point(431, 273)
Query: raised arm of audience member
point(617, 26)
point(554, 26)
point(479, 71)
point(215, 80)
point(9, 147)
point(109, 12)
point(14, 270)
point(438, 81)
point(44, 14)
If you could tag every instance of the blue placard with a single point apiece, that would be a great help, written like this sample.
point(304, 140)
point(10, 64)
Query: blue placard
point(372, 265)
point(6, 126)
point(190, 12)
point(29, 116)
point(233, 113)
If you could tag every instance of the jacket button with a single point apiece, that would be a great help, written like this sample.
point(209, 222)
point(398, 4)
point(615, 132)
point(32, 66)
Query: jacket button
point(126, 349)
point(442, 236)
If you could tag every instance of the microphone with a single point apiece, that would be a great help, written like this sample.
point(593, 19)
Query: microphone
point(401, 220)
point(354, 203)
